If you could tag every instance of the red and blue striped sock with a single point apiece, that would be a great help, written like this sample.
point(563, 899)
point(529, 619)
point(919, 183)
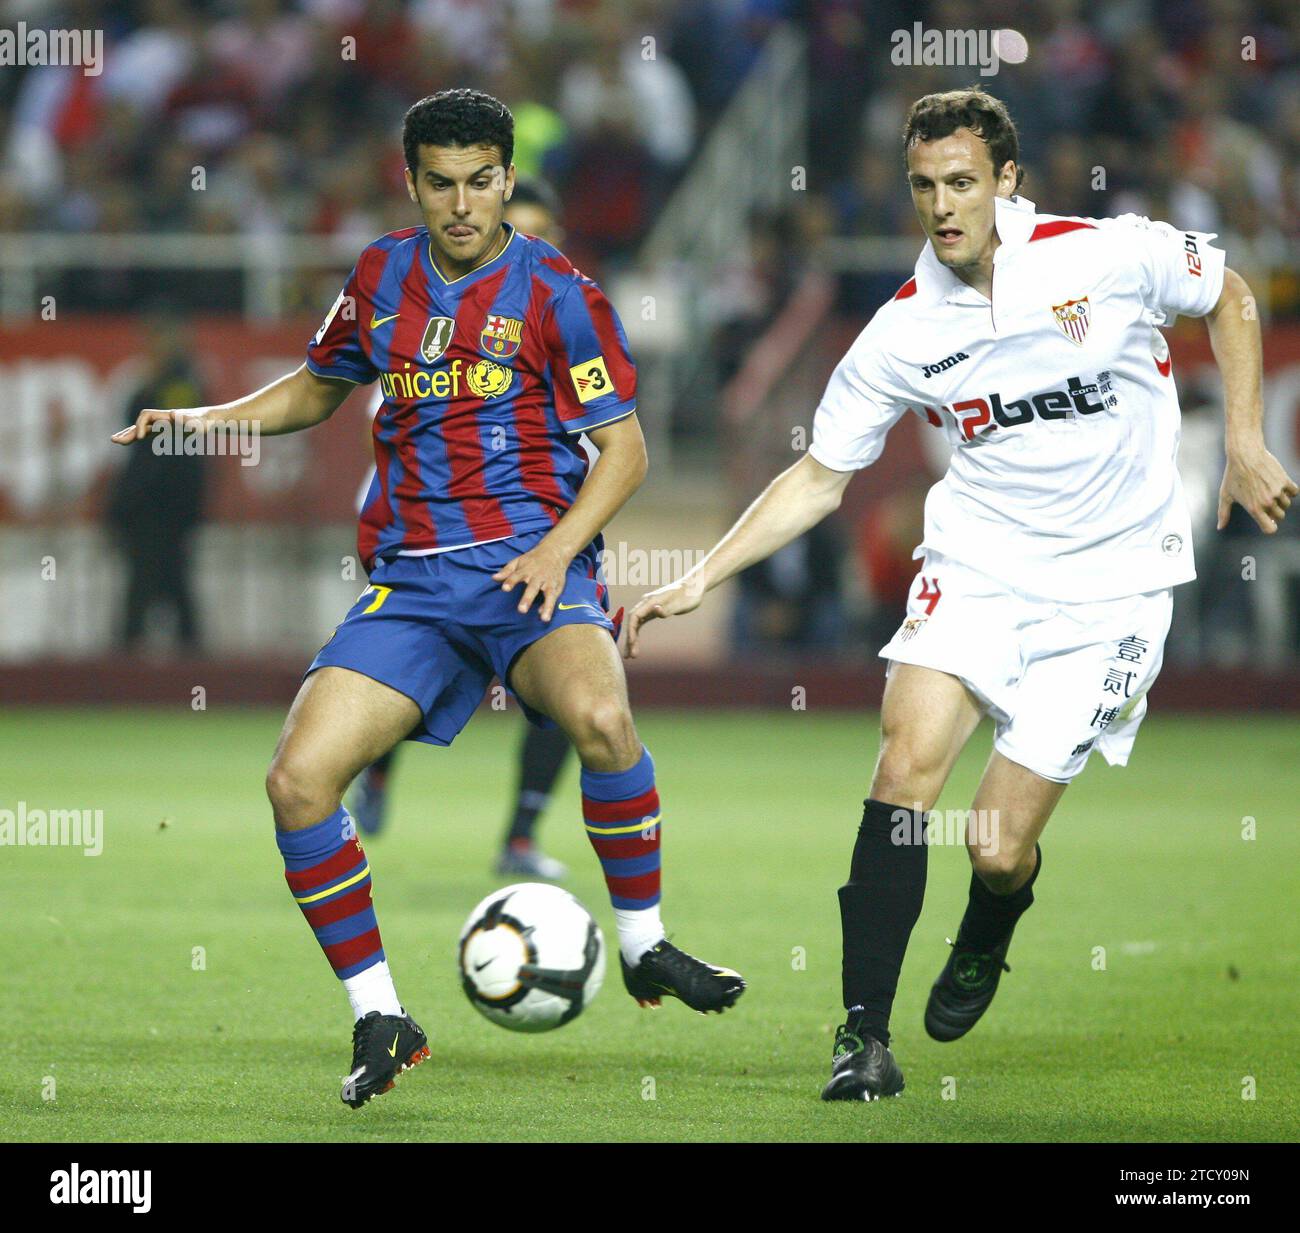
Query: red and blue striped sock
point(329, 877)
point(621, 810)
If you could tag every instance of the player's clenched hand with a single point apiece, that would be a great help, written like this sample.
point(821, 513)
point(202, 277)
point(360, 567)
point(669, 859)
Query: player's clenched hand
point(1257, 482)
point(680, 597)
point(542, 571)
point(145, 421)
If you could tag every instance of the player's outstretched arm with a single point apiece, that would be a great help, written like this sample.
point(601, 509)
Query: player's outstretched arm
point(799, 498)
point(297, 400)
point(1253, 477)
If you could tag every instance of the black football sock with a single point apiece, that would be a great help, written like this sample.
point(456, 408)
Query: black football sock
point(878, 907)
point(990, 918)
point(541, 758)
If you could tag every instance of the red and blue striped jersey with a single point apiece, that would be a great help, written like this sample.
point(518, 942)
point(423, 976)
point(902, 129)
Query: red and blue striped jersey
point(488, 381)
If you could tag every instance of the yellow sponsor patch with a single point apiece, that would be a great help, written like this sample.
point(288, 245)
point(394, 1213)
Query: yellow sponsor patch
point(591, 379)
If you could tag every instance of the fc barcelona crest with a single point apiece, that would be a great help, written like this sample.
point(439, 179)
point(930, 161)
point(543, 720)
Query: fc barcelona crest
point(501, 336)
point(437, 337)
point(1073, 317)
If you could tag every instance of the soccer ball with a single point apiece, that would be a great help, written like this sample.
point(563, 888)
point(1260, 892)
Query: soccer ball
point(531, 957)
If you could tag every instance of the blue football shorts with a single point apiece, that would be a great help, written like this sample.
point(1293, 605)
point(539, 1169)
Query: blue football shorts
point(437, 628)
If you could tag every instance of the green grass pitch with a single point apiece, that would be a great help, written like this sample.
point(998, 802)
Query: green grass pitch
point(1196, 1006)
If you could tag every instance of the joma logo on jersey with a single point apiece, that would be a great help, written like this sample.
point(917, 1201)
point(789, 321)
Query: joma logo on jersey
point(928, 370)
point(441, 383)
point(972, 414)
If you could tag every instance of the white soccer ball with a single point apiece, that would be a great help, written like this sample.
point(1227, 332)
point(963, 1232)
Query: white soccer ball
point(531, 957)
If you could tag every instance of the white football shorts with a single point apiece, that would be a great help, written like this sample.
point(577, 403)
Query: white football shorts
point(1059, 679)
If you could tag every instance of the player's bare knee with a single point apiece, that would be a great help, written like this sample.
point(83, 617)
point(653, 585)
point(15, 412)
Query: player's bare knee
point(1002, 870)
point(605, 735)
point(907, 774)
point(297, 797)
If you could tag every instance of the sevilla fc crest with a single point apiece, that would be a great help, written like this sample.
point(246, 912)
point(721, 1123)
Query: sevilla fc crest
point(500, 336)
point(1073, 317)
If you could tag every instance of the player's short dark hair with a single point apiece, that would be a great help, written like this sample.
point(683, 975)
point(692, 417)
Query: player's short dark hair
point(536, 193)
point(458, 118)
point(940, 115)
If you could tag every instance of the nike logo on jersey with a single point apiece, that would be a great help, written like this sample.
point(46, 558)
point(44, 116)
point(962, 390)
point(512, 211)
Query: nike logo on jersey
point(376, 322)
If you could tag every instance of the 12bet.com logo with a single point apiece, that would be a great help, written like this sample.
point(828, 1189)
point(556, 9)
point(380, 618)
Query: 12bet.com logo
point(972, 414)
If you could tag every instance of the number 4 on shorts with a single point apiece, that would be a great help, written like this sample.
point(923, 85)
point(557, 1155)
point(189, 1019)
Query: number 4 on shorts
point(929, 594)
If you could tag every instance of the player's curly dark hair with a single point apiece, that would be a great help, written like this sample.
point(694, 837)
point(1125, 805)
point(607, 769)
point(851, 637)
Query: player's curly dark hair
point(458, 118)
point(940, 115)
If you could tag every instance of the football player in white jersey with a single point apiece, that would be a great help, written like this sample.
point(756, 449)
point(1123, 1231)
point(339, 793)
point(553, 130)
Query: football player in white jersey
point(1051, 544)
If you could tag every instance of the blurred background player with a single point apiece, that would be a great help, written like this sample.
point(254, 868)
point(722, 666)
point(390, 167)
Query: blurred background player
point(155, 505)
point(534, 209)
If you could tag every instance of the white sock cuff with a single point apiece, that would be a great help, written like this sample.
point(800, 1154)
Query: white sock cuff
point(372, 989)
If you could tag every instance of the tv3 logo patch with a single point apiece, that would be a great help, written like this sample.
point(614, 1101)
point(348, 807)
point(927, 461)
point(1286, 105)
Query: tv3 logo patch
point(1193, 254)
point(591, 379)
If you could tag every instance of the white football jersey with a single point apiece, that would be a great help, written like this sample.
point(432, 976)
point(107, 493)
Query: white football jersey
point(1055, 393)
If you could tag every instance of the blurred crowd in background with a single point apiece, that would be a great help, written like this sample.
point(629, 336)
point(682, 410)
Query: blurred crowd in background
point(296, 132)
point(1187, 110)
point(293, 108)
